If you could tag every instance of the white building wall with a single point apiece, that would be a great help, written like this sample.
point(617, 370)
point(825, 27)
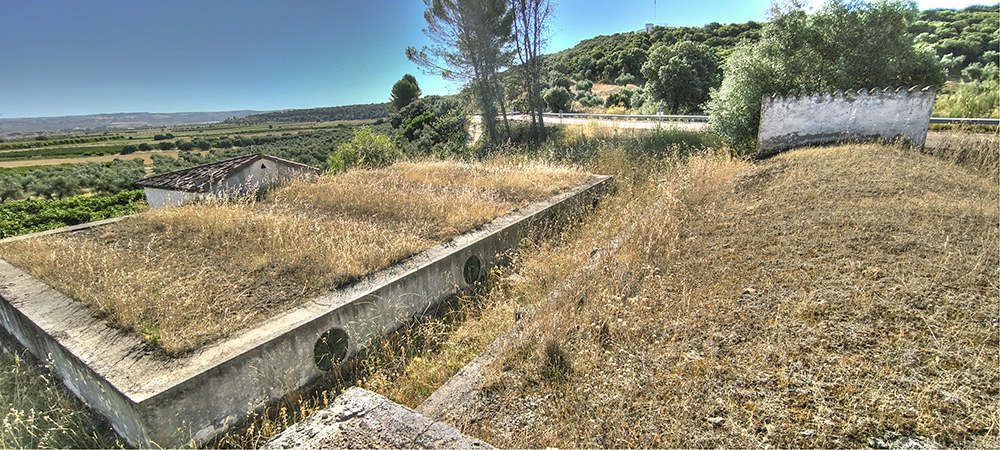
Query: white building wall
point(794, 121)
point(162, 198)
point(261, 174)
point(247, 180)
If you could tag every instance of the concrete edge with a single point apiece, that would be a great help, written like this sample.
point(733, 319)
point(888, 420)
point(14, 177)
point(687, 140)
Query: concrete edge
point(362, 419)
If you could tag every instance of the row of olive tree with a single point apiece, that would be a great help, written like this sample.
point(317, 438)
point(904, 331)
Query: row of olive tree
point(67, 181)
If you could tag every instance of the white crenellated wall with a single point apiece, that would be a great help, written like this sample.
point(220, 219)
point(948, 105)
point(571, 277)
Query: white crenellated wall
point(863, 115)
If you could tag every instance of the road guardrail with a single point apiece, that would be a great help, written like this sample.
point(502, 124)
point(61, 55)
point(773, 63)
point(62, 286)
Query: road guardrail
point(687, 118)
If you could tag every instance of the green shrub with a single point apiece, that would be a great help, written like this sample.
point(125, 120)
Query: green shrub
point(625, 79)
point(969, 99)
point(367, 150)
point(619, 99)
point(557, 98)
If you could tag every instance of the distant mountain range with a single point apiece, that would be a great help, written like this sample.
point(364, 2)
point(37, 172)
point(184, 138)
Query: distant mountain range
point(116, 121)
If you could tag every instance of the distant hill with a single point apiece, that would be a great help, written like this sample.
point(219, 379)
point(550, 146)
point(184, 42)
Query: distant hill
point(116, 121)
point(349, 112)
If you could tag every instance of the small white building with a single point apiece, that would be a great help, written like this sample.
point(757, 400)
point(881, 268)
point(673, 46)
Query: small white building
point(245, 175)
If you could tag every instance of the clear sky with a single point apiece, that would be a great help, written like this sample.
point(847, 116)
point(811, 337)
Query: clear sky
point(68, 57)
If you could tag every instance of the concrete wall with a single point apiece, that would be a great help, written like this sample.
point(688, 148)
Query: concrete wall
point(163, 402)
point(164, 198)
point(863, 115)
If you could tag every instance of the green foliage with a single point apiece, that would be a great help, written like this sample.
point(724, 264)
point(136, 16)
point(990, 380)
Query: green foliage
point(431, 124)
point(589, 99)
point(840, 46)
point(404, 92)
point(625, 79)
point(606, 58)
point(129, 149)
point(960, 38)
point(969, 99)
point(558, 79)
point(368, 150)
point(681, 75)
point(621, 98)
point(32, 215)
point(473, 42)
point(312, 148)
point(584, 86)
point(557, 98)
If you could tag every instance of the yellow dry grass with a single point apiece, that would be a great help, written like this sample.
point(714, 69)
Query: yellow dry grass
point(181, 277)
point(842, 296)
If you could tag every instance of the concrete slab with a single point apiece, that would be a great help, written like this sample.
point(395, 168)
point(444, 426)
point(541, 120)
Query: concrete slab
point(154, 401)
point(364, 419)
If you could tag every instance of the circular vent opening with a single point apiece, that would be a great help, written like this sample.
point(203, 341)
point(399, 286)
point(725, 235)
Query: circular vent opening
point(330, 350)
point(473, 270)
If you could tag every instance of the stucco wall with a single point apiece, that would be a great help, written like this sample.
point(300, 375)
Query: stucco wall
point(863, 115)
point(162, 198)
point(258, 175)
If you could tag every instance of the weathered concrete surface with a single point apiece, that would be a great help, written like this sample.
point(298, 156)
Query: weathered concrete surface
point(795, 121)
point(364, 419)
point(154, 402)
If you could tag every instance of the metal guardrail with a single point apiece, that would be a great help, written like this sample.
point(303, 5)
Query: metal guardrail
point(684, 118)
point(964, 121)
point(680, 118)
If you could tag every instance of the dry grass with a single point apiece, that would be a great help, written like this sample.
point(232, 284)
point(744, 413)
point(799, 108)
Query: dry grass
point(976, 151)
point(830, 297)
point(181, 277)
point(39, 412)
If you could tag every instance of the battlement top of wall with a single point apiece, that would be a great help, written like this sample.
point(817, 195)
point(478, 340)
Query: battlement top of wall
point(850, 93)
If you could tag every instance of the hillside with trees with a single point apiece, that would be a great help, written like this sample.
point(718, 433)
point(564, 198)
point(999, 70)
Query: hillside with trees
point(331, 114)
point(651, 66)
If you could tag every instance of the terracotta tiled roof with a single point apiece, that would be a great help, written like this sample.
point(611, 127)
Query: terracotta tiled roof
point(200, 178)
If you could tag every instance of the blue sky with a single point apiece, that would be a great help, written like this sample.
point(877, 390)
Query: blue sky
point(105, 56)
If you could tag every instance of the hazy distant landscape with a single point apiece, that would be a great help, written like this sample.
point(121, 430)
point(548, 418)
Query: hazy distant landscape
point(112, 122)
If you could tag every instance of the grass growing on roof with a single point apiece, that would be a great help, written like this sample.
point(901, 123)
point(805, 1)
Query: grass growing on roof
point(181, 277)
